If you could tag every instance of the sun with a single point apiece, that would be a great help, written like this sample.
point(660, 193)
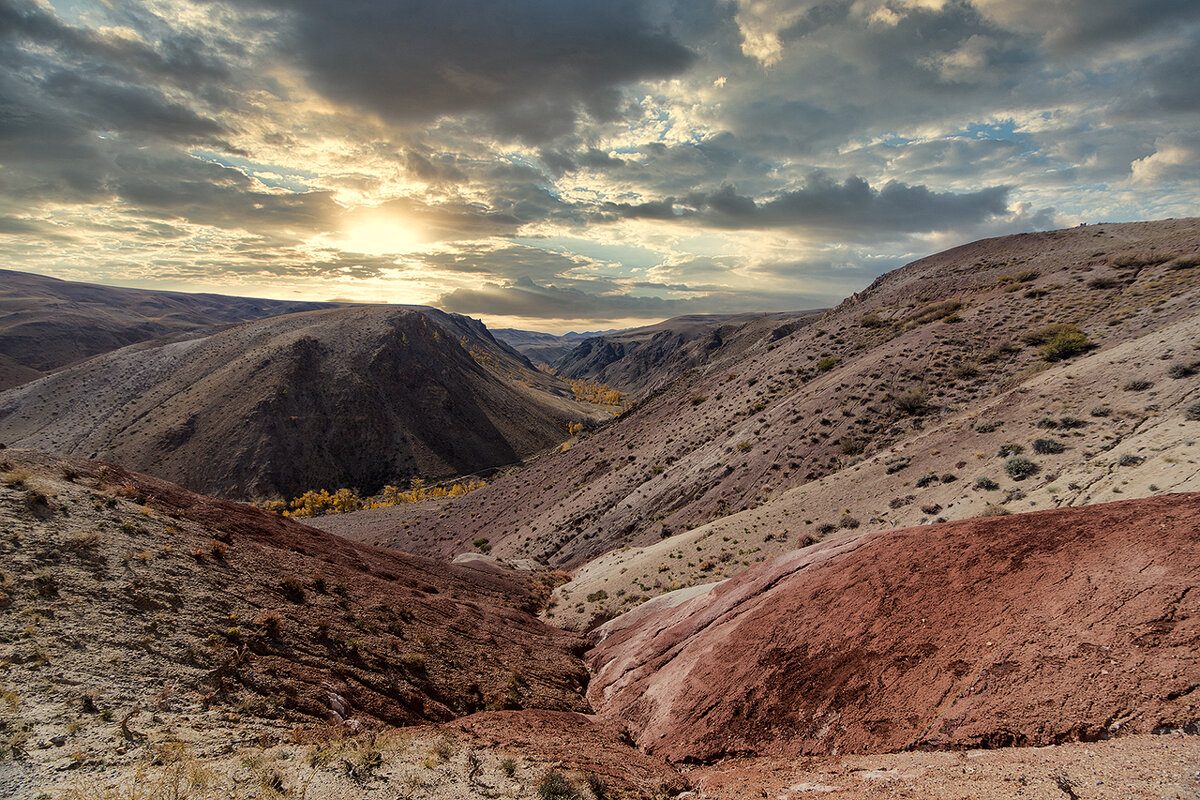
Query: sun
point(380, 234)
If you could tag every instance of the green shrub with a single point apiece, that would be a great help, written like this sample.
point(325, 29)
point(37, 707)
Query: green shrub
point(1065, 344)
point(1010, 449)
point(827, 363)
point(555, 786)
point(1137, 385)
point(983, 482)
point(1019, 468)
point(911, 402)
point(1100, 411)
point(1192, 412)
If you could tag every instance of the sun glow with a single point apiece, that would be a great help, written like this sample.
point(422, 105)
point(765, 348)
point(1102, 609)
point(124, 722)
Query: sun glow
point(379, 235)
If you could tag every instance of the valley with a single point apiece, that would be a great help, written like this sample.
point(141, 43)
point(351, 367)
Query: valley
point(937, 540)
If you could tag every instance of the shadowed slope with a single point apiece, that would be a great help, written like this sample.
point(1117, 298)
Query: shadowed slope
point(354, 397)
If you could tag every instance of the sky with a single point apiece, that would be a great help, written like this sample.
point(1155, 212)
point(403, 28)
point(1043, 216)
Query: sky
point(577, 164)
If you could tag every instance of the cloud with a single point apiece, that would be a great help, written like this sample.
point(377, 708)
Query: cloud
point(851, 206)
point(531, 66)
point(524, 298)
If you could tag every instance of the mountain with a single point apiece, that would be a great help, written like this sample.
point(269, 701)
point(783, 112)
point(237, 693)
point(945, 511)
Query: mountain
point(900, 406)
point(641, 360)
point(1031, 630)
point(46, 323)
point(351, 397)
point(538, 347)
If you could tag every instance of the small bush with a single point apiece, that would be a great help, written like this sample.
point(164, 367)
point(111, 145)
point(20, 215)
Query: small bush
point(926, 480)
point(1192, 412)
point(1129, 460)
point(1065, 344)
point(1105, 282)
point(932, 313)
point(1100, 411)
point(1048, 446)
point(1137, 385)
point(1181, 371)
point(911, 402)
point(292, 589)
point(986, 484)
point(872, 320)
point(509, 767)
point(826, 527)
point(1070, 423)
point(848, 522)
point(826, 364)
point(555, 786)
point(993, 510)
point(1019, 467)
point(986, 427)
point(1010, 449)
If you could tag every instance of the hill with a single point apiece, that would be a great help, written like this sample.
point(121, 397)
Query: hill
point(640, 360)
point(46, 323)
point(353, 397)
point(839, 425)
point(151, 618)
point(1036, 629)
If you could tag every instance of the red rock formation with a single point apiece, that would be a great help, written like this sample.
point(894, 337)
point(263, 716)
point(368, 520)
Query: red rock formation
point(1031, 629)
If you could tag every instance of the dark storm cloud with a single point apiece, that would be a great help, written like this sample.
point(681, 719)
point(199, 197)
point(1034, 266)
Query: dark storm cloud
point(823, 204)
point(532, 66)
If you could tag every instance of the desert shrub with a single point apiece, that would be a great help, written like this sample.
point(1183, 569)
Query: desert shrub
point(872, 320)
point(993, 510)
point(827, 363)
point(896, 464)
point(1185, 261)
point(932, 313)
point(964, 371)
point(983, 482)
point(597, 596)
point(1129, 260)
point(509, 767)
point(999, 351)
point(1100, 411)
point(745, 445)
point(926, 480)
point(1010, 449)
point(697, 399)
point(482, 544)
point(1181, 371)
point(986, 427)
point(948, 477)
point(1020, 467)
point(1137, 385)
point(1025, 276)
point(826, 527)
point(848, 522)
point(1129, 460)
point(911, 402)
point(1105, 282)
point(1048, 446)
point(931, 509)
point(555, 786)
point(1065, 344)
point(851, 446)
point(1192, 412)
point(293, 589)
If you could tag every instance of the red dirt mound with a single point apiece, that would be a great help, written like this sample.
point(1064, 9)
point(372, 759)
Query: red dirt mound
point(1020, 630)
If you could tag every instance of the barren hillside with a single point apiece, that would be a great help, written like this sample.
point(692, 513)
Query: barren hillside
point(356, 397)
point(641, 360)
point(832, 415)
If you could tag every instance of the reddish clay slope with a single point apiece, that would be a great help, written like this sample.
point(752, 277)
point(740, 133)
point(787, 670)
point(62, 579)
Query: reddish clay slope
point(1031, 629)
point(238, 608)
